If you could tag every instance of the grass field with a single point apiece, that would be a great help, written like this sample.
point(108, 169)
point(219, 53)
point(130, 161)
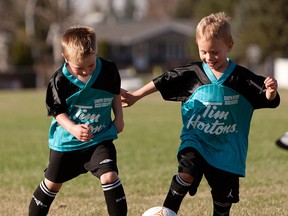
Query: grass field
point(146, 158)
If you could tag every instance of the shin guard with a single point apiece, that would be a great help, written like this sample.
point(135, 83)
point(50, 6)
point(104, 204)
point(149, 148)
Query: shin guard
point(177, 192)
point(41, 200)
point(115, 198)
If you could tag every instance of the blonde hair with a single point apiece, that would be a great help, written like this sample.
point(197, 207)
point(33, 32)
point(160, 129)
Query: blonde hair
point(79, 42)
point(215, 26)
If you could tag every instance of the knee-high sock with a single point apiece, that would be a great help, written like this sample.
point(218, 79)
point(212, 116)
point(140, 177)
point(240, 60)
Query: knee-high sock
point(115, 198)
point(178, 190)
point(41, 200)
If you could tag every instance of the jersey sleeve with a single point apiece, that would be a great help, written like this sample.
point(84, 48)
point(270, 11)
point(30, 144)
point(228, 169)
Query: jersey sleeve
point(179, 83)
point(109, 78)
point(56, 94)
point(252, 87)
point(258, 97)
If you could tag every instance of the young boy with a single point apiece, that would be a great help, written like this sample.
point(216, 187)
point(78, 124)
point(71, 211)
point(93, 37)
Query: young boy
point(218, 99)
point(80, 97)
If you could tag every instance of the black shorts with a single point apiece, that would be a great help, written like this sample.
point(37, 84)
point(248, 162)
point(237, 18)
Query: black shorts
point(224, 185)
point(98, 159)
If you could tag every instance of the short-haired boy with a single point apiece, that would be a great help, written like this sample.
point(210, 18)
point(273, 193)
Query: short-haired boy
point(218, 99)
point(80, 96)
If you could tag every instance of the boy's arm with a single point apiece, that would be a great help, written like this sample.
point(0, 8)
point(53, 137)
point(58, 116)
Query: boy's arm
point(118, 113)
point(80, 131)
point(128, 99)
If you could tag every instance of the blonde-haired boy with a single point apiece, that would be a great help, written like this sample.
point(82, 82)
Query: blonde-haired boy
point(218, 98)
point(80, 97)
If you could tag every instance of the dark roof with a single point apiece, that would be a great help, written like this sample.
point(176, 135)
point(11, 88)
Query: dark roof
point(132, 32)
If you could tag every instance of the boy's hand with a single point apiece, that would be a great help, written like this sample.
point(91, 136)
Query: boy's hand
point(271, 88)
point(82, 132)
point(127, 98)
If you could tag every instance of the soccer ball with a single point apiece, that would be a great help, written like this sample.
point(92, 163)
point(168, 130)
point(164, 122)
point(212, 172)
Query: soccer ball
point(159, 211)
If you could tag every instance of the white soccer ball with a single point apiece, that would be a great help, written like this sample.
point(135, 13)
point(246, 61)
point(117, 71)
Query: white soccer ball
point(159, 211)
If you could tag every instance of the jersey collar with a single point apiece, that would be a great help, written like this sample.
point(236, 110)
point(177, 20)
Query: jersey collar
point(79, 83)
point(223, 77)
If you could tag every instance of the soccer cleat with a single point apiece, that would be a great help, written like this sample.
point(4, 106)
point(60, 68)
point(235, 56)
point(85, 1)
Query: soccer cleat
point(282, 142)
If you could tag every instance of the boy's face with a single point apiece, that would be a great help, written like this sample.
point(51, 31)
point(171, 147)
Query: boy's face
point(84, 67)
point(214, 53)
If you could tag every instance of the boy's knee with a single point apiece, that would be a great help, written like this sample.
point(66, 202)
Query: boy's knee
point(186, 177)
point(52, 185)
point(108, 177)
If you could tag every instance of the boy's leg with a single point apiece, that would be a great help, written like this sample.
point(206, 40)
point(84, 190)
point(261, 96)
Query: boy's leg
point(103, 164)
point(189, 167)
point(62, 167)
point(115, 198)
point(221, 209)
point(225, 190)
point(178, 190)
point(41, 200)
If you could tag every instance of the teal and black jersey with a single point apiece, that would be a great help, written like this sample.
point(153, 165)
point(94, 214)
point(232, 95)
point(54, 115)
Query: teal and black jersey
point(85, 103)
point(216, 114)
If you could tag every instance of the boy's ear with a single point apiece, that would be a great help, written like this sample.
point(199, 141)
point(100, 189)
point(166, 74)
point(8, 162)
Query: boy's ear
point(230, 46)
point(64, 58)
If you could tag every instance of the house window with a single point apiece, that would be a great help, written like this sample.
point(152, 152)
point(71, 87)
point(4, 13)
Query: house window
point(122, 53)
point(175, 51)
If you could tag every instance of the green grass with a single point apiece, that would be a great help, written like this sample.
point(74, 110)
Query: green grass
point(146, 158)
